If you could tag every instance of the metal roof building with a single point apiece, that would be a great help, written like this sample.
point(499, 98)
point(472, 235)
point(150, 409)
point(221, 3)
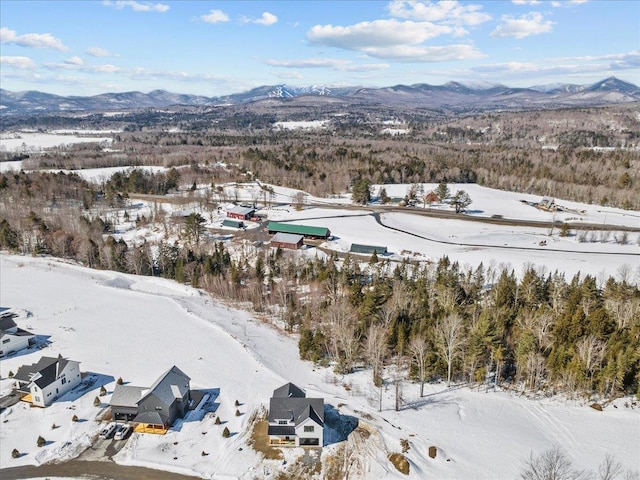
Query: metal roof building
point(304, 230)
point(287, 240)
point(367, 249)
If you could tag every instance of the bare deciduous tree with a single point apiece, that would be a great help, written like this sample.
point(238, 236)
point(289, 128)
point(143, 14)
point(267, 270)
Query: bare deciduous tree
point(449, 340)
point(418, 347)
point(550, 465)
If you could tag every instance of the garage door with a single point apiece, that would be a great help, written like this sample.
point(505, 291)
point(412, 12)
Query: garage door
point(309, 442)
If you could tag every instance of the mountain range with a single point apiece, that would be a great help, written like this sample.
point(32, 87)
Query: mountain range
point(452, 96)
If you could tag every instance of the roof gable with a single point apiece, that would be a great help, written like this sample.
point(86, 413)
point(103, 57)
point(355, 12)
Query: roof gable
point(296, 409)
point(174, 383)
point(288, 390)
point(43, 373)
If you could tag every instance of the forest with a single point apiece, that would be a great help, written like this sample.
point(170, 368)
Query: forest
point(534, 330)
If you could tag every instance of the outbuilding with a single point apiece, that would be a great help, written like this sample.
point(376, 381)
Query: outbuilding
point(227, 222)
point(241, 213)
point(367, 249)
point(304, 230)
point(287, 240)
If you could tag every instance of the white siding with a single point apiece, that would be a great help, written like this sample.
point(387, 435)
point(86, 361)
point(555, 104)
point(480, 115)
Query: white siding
point(316, 433)
point(14, 344)
point(56, 389)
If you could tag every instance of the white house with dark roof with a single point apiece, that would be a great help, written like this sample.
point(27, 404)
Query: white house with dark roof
point(156, 407)
point(294, 419)
point(43, 382)
point(12, 338)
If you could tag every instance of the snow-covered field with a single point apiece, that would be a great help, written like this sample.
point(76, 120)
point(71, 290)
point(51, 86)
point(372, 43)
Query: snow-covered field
point(137, 327)
point(36, 141)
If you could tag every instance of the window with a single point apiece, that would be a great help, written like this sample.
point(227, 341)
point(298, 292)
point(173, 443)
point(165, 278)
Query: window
point(37, 399)
point(308, 428)
point(6, 340)
point(64, 380)
point(282, 422)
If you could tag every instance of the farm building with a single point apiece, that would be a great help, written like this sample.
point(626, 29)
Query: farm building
point(287, 240)
point(227, 222)
point(241, 213)
point(305, 231)
point(367, 249)
point(430, 198)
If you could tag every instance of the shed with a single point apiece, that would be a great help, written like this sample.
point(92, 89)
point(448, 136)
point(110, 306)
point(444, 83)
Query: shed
point(240, 212)
point(367, 249)
point(304, 230)
point(227, 222)
point(287, 240)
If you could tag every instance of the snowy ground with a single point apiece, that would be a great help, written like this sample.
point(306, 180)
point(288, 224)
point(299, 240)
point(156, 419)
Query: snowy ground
point(36, 141)
point(137, 327)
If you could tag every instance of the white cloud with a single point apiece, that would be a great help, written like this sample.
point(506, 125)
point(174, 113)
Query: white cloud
point(525, 2)
point(103, 69)
point(530, 24)
point(215, 16)
point(603, 64)
point(74, 61)
point(417, 53)
point(447, 12)
point(140, 73)
point(332, 63)
point(72, 64)
point(289, 75)
point(99, 52)
point(136, 6)
point(33, 40)
point(23, 63)
point(376, 34)
point(266, 19)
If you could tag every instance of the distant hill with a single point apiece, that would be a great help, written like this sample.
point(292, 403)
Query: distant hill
point(454, 96)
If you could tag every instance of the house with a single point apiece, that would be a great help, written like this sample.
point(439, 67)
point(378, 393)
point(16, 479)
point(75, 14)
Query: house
point(548, 204)
point(154, 409)
point(42, 383)
point(294, 419)
point(287, 240)
point(430, 198)
point(367, 249)
point(12, 338)
point(304, 230)
point(240, 212)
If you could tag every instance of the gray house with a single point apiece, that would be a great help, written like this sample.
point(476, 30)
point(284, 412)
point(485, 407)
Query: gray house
point(155, 408)
point(294, 419)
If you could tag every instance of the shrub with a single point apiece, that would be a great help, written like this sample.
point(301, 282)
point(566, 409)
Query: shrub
point(74, 418)
point(226, 433)
point(237, 403)
point(404, 443)
point(103, 391)
point(237, 412)
point(11, 373)
point(54, 426)
point(41, 441)
point(96, 402)
point(217, 421)
point(119, 381)
point(15, 453)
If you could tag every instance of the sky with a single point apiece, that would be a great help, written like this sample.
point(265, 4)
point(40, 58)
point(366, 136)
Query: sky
point(215, 48)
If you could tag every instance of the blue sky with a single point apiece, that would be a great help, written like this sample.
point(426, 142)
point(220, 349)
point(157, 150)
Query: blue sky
point(219, 47)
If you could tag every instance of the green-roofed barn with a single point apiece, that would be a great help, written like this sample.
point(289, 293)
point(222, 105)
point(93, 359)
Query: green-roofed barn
point(228, 222)
point(367, 249)
point(304, 230)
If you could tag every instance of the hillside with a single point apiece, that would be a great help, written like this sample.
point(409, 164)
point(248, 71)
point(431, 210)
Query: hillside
point(478, 434)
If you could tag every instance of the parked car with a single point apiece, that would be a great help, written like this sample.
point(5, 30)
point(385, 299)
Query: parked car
point(108, 431)
point(122, 432)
